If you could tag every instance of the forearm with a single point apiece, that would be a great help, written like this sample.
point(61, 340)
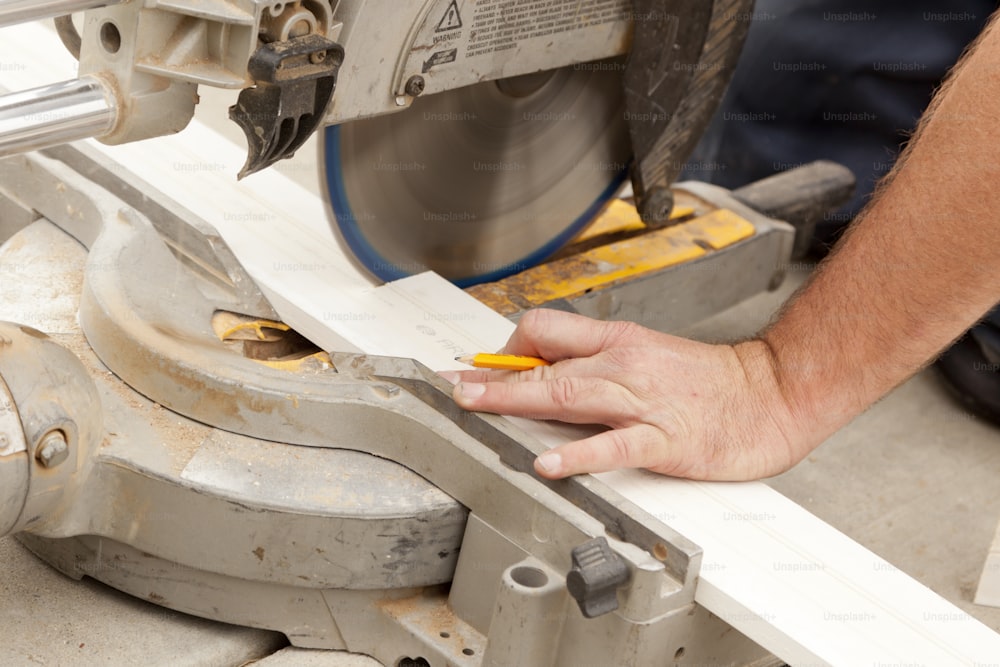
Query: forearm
point(919, 267)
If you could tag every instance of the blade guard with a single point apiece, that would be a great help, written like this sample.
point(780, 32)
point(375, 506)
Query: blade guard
point(670, 107)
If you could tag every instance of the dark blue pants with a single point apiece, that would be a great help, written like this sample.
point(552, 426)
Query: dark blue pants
point(837, 80)
point(847, 81)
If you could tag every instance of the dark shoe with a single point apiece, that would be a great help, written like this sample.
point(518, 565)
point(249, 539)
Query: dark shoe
point(971, 368)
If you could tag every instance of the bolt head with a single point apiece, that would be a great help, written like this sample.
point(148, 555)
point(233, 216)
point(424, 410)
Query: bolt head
point(53, 450)
point(415, 86)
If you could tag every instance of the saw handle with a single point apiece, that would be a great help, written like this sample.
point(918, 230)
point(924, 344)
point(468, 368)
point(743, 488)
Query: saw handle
point(801, 197)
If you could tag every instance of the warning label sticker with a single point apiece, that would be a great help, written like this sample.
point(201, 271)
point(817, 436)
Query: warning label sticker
point(452, 19)
point(462, 42)
point(499, 26)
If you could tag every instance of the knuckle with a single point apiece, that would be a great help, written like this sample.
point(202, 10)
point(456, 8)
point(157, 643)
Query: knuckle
point(626, 359)
point(535, 322)
point(620, 332)
point(532, 318)
point(563, 392)
point(532, 327)
point(620, 448)
point(537, 374)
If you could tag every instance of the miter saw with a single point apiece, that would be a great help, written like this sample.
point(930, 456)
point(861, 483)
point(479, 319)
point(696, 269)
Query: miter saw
point(471, 137)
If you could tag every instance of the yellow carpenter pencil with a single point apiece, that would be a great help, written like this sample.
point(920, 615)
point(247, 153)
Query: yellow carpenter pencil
point(504, 362)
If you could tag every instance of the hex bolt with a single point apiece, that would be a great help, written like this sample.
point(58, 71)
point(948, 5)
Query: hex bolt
point(53, 450)
point(415, 86)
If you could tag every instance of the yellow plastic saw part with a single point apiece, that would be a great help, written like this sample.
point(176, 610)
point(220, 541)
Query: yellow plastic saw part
point(232, 327)
point(620, 216)
point(615, 263)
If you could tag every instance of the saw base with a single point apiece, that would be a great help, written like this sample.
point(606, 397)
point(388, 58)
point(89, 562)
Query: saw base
point(308, 569)
point(336, 549)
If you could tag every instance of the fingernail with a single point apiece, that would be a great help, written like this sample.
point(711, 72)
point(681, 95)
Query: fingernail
point(550, 462)
point(450, 376)
point(472, 389)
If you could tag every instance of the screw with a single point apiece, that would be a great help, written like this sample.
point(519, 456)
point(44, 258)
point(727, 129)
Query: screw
point(317, 57)
point(53, 450)
point(415, 86)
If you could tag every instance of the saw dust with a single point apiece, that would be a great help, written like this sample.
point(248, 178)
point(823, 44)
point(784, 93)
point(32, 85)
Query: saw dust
point(176, 437)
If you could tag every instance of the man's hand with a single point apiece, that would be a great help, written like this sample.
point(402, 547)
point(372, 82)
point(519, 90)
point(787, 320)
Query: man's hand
point(917, 268)
point(674, 406)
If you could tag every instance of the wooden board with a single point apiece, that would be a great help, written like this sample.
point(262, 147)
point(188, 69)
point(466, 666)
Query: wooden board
point(791, 582)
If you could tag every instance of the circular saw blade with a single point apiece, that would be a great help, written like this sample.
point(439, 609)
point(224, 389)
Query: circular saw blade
point(480, 182)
